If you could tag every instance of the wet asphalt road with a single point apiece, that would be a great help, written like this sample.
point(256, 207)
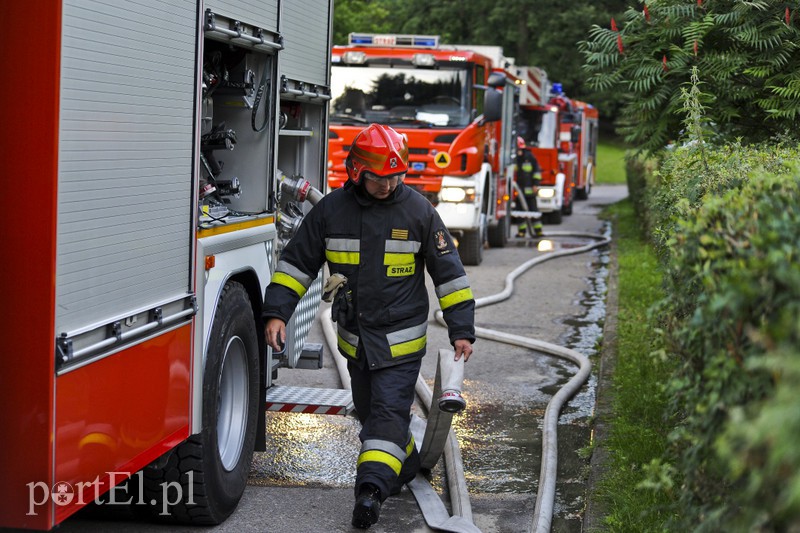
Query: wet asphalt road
point(304, 483)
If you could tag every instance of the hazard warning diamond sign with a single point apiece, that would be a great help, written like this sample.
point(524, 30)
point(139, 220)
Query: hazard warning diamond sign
point(442, 159)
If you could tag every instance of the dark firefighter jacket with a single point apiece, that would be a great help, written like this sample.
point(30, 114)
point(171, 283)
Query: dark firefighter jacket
point(529, 173)
point(382, 248)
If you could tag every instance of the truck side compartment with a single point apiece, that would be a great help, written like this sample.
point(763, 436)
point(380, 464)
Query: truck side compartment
point(152, 145)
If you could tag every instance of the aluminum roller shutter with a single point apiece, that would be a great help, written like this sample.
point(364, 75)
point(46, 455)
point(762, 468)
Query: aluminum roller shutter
point(260, 13)
point(306, 37)
point(126, 134)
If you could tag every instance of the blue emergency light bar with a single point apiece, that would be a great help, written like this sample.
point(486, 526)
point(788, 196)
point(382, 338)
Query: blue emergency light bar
point(388, 39)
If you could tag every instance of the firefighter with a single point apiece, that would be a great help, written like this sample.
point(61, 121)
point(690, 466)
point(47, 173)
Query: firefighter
point(377, 235)
point(529, 176)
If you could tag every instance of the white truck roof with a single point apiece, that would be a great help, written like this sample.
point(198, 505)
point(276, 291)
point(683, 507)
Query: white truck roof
point(495, 53)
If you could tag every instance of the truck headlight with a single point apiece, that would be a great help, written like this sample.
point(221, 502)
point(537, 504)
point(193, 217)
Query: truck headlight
point(547, 193)
point(457, 194)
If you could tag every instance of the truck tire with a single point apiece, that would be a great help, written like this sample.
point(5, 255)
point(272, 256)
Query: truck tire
point(498, 235)
point(470, 247)
point(584, 192)
point(567, 207)
point(553, 217)
point(212, 467)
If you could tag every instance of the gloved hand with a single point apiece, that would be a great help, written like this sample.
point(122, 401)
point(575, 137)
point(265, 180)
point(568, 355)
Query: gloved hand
point(332, 286)
point(336, 291)
point(342, 309)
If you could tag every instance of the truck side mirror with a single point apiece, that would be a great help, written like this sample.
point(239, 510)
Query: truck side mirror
point(496, 79)
point(576, 133)
point(493, 105)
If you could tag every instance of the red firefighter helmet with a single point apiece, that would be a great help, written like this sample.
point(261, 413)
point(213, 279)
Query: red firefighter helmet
point(377, 149)
point(520, 143)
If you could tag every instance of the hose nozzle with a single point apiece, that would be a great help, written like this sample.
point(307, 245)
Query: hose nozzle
point(299, 189)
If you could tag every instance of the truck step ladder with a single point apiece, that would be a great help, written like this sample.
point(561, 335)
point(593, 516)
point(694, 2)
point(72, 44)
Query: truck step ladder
point(526, 214)
point(309, 400)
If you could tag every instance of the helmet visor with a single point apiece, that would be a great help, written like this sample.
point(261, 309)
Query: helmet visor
point(393, 178)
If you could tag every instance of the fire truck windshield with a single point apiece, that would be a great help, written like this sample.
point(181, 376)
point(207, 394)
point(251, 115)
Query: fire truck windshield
point(538, 127)
point(403, 97)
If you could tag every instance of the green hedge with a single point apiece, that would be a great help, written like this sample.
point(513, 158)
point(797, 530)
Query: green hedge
point(638, 172)
point(726, 225)
point(690, 175)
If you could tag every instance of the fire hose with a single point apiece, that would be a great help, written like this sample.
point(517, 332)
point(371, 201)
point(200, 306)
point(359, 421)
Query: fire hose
point(545, 497)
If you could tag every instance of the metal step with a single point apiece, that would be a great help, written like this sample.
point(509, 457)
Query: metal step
point(526, 214)
point(309, 400)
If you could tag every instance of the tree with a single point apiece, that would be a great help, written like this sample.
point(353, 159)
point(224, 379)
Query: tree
point(747, 54)
point(362, 16)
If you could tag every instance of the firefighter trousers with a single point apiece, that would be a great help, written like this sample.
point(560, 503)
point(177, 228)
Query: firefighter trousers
point(383, 399)
point(536, 226)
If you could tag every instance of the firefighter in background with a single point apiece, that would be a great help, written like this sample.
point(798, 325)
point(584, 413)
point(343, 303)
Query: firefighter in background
point(378, 236)
point(529, 176)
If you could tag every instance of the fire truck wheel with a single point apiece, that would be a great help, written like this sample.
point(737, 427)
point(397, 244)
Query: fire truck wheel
point(470, 248)
point(567, 208)
point(498, 235)
point(568, 201)
point(584, 192)
point(553, 217)
point(212, 467)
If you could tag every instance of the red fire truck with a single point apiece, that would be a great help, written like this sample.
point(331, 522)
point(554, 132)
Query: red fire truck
point(562, 134)
point(158, 145)
point(579, 135)
point(455, 103)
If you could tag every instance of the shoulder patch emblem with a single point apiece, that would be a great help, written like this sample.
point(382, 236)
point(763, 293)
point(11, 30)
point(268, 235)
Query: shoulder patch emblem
point(441, 240)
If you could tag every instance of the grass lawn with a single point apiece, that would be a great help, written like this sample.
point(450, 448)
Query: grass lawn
point(610, 162)
point(638, 433)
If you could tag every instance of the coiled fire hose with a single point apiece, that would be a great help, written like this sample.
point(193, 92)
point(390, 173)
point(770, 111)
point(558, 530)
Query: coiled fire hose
point(545, 497)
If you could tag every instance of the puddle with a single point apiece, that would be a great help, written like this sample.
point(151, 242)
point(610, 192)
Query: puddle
point(508, 462)
point(305, 449)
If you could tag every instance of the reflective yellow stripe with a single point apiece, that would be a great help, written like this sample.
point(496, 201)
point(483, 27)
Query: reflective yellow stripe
point(410, 446)
point(378, 456)
point(288, 281)
point(455, 297)
point(343, 258)
point(345, 346)
point(405, 348)
point(398, 259)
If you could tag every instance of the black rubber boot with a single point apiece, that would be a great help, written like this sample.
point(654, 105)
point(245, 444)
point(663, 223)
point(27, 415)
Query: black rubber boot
point(367, 509)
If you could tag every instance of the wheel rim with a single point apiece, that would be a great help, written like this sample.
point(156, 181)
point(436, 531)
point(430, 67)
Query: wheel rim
point(232, 410)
